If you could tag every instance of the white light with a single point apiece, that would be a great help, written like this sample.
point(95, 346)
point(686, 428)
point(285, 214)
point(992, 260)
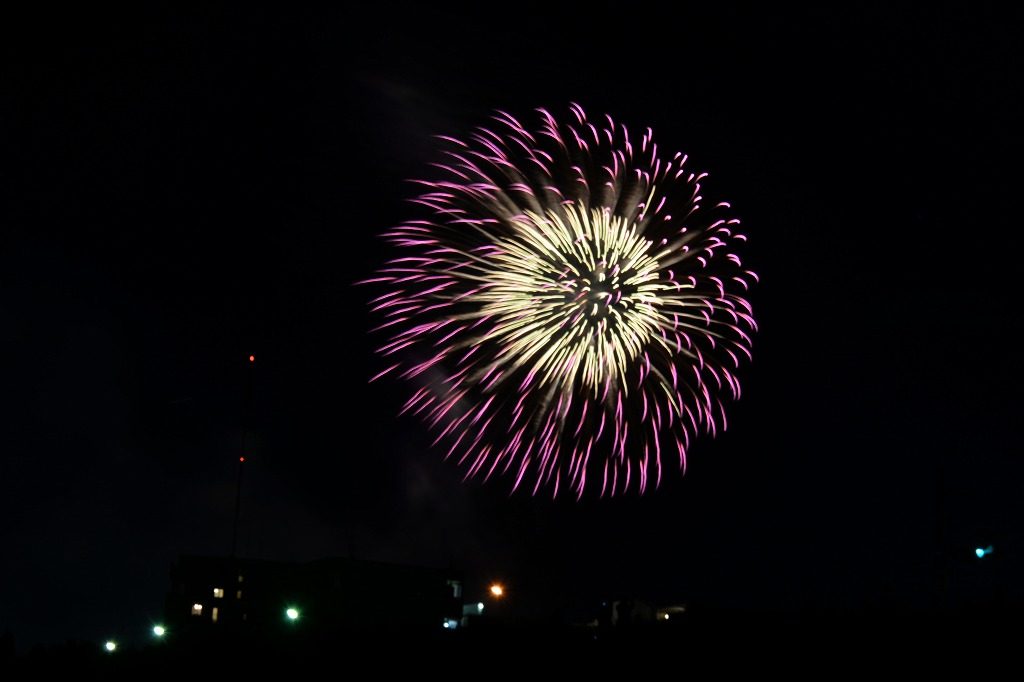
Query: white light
point(666, 616)
point(292, 613)
point(159, 630)
point(218, 593)
point(110, 646)
point(447, 625)
point(480, 606)
point(197, 609)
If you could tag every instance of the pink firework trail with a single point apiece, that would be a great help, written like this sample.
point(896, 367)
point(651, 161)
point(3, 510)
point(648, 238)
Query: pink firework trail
point(571, 310)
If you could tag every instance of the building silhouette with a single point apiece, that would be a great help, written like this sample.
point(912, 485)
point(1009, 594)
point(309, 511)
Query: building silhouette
point(225, 594)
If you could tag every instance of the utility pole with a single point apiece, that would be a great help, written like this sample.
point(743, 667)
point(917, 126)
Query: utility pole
point(246, 407)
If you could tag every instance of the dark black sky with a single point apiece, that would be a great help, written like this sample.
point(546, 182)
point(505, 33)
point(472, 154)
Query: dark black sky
point(185, 189)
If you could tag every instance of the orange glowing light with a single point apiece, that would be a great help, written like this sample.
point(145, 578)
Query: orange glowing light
point(497, 590)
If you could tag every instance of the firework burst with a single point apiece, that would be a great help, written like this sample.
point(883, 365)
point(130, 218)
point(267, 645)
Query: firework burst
point(571, 310)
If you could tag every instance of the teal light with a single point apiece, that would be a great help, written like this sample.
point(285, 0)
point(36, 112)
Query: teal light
point(981, 553)
point(292, 613)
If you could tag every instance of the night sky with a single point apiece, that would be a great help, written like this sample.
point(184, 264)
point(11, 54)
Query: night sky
point(182, 190)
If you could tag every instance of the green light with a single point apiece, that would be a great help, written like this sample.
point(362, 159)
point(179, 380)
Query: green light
point(292, 613)
point(110, 646)
point(159, 630)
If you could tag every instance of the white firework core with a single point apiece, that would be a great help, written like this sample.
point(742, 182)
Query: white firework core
point(586, 274)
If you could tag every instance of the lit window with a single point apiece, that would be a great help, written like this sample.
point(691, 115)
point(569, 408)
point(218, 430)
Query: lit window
point(197, 609)
point(214, 614)
point(456, 588)
point(218, 593)
point(238, 595)
point(241, 578)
